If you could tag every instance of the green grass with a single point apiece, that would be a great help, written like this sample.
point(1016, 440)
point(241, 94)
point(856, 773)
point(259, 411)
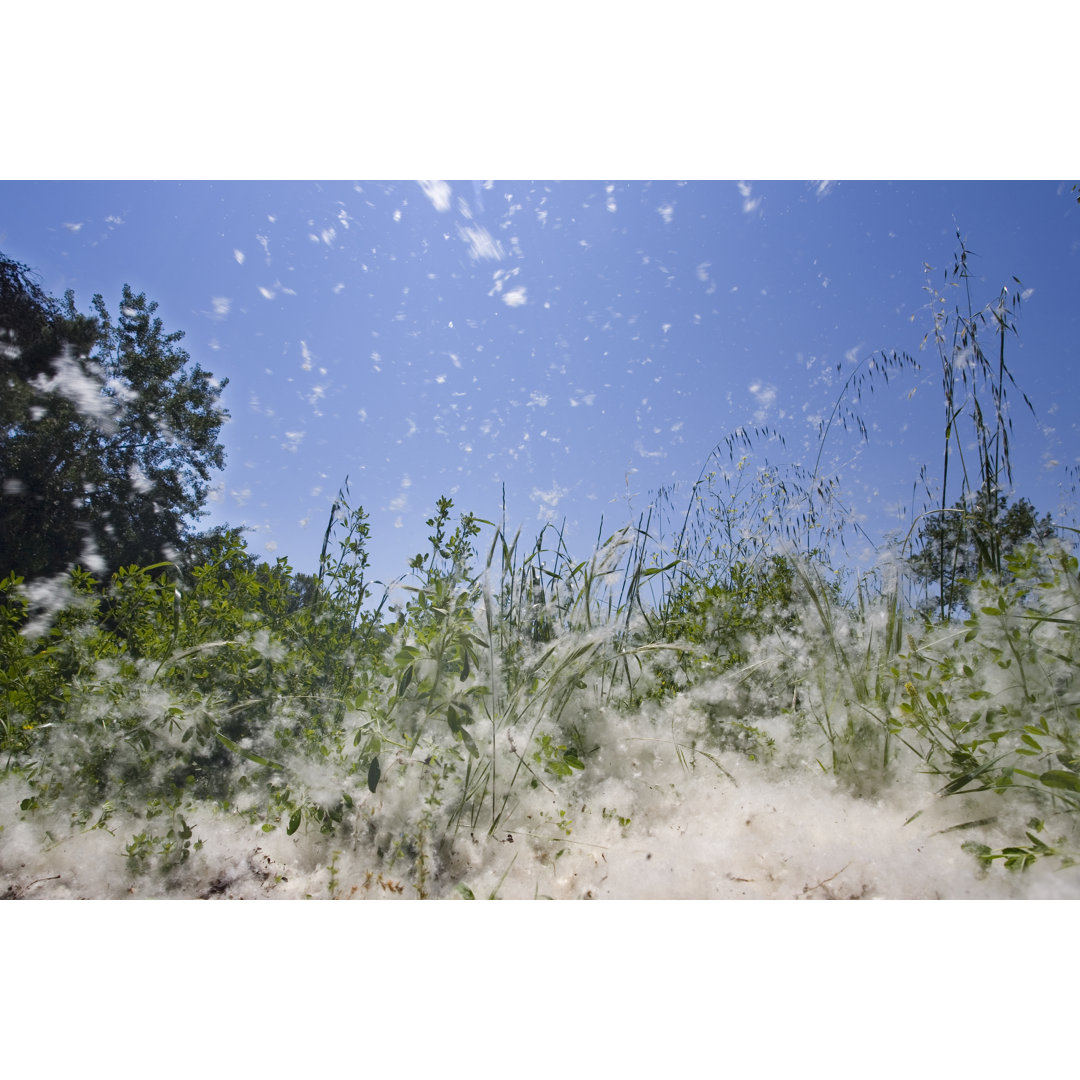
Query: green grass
point(158, 698)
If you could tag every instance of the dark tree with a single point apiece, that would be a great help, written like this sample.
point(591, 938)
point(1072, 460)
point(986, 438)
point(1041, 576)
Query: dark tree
point(109, 434)
point(972, 541)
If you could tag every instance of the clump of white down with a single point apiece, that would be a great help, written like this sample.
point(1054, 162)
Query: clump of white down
point(689, 833)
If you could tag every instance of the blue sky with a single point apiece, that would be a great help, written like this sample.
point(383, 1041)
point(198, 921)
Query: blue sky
point(583, 343)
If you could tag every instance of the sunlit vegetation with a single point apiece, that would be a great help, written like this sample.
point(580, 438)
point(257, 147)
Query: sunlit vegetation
point(472, 699)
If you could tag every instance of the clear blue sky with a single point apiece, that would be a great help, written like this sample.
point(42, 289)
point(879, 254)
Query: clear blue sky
point(583, 343)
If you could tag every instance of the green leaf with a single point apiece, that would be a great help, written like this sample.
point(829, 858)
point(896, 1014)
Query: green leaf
point(1059, 778)
point(452, 720)
point(967, 825)
point(659, 569)
point(373, 775)
point(247, 753)
point(962, 781)
point(294, 823)
point(467, 739)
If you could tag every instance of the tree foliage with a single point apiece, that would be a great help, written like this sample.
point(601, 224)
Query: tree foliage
point(970, 541)
point(109, 434)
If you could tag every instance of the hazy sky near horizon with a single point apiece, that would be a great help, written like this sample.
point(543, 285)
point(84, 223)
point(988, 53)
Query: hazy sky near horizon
point(580, 343)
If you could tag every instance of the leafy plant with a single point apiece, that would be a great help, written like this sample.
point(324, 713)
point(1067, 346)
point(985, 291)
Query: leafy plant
point(975, 398)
